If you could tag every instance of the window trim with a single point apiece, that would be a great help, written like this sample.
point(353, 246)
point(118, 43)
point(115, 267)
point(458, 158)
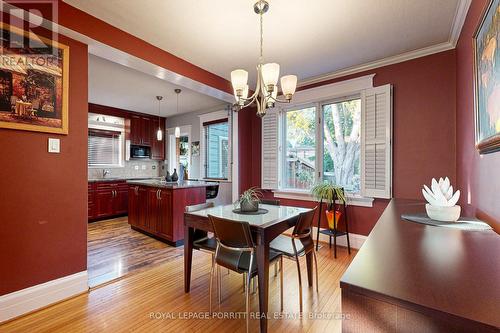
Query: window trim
point(216, 116)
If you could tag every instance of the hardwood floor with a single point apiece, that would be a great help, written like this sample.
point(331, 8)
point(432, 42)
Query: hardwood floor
point(115, 250)
point(154, 301)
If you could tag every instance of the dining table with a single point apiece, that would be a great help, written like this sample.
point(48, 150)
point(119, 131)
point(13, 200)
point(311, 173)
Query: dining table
point(273, 221)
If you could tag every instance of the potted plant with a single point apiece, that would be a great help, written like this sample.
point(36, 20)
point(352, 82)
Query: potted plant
point(327, 192)
point(249, 200)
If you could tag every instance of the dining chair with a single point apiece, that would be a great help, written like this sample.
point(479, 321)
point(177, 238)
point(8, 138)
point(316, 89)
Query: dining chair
point(299, 244)
point(273, 202)
point(236, 251)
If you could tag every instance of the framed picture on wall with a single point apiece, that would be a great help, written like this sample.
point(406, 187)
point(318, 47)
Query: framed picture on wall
point(487, 80)
point(34, 75)
point(195, 148)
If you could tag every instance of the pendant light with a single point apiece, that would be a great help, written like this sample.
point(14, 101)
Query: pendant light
point(177, 129)
point(159, 133)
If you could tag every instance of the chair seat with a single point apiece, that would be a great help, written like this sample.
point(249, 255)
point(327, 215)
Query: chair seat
point(239, 261)
point(283, 244)
point(207, 244)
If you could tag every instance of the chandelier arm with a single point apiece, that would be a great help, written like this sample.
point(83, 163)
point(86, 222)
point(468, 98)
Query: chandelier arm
point(278, 100)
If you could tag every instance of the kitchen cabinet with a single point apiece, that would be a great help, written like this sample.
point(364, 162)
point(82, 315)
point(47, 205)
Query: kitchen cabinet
point(157, 147)
point(152, 210)
point(107, 199)
point(141, 130)
point(146, 131)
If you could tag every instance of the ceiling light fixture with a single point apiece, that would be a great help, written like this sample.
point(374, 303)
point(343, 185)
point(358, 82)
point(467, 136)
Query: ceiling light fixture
point(266, 91)
point(177, 129)
point(159, 133)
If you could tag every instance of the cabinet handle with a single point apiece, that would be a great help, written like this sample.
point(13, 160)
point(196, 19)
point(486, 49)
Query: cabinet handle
point(136, 190)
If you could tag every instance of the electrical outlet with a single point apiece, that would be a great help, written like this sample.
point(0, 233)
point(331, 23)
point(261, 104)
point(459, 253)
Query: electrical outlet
point(154, 167)
point(136, 167)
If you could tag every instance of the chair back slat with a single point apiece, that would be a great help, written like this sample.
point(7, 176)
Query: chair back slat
point(274, 202)
point(304, 223)
point(230, 233)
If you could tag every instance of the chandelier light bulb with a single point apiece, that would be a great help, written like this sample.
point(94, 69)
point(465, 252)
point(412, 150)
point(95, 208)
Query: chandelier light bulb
point(239, 78)
point(159, 134)
point(289, 85)
point(270, 75)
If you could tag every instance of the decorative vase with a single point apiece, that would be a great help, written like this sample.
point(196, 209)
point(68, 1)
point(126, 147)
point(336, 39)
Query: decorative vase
point(181, 173)
point(168, 177)
point(444, 214)
point(249, 206)
point(331, 221)
point(175, 177)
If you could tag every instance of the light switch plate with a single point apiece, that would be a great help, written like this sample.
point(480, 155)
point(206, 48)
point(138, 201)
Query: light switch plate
point(54, 145)
point(143, 167)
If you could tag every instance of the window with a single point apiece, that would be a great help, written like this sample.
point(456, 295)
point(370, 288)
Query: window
point(342, 143)
point(104, 148)
point(217, 149)
point(346, 141)
point(300, 148)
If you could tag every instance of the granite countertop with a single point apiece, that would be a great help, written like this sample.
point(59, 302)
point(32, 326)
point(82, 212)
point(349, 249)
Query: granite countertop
point(172, 185)
point(116, 179)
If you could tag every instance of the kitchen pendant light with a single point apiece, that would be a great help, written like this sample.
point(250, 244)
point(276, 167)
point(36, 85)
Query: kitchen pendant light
point(159, 133)
point(266, 91)
point(177, 129)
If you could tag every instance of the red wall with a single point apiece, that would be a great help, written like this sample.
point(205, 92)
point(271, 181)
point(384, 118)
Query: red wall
point(43, 197)
point(424, 131)
point(478, 176)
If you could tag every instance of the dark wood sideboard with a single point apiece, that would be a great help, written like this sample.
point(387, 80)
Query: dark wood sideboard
point(409, 277)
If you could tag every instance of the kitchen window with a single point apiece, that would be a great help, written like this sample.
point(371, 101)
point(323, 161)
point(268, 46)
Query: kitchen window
point(344, 140)
point(216, 135)
point(105, 148)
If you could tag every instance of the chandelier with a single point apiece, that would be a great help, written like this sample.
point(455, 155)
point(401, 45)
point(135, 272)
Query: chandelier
point(266, 91)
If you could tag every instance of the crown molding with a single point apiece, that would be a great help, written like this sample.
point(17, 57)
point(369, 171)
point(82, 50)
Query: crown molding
point(379, 63)
point(456, 28)
point(459, 20)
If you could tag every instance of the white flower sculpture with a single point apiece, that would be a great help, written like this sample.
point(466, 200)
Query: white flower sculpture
point(441, 194)
point(442, 201)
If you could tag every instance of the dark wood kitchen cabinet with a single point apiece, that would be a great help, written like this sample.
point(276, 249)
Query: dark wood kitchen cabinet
point(140, 128)
point(157, 147)
point(107, 199)
point(160, 211)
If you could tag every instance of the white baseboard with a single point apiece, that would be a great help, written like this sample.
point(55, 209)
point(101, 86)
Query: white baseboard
point(356, 240)
point(27, 300)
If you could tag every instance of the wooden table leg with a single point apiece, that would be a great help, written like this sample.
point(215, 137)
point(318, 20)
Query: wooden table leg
point(263, 269)
point(188, 257)
point(309, 262)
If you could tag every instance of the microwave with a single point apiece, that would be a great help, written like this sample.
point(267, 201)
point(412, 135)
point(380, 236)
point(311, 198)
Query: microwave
point(140, 151)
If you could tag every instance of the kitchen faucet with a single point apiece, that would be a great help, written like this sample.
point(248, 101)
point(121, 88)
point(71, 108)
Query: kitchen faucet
point(104, 173)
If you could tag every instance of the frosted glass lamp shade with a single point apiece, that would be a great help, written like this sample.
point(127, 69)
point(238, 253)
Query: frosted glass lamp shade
point(288, 85)
point(239, 78)
point(270, 74)
point(159, 135)
point(177, 132)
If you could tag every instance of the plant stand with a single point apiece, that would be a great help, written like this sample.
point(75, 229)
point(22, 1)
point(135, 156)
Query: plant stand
point(333, 232)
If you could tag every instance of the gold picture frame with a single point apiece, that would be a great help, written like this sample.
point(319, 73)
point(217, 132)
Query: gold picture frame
point(46, 107)
point(486, 63)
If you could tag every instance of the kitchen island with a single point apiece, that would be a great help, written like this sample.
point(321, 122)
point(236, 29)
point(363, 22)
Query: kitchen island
point(157, 207)
point(410, 277)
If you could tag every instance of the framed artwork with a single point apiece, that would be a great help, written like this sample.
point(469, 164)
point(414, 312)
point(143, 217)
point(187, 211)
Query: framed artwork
point(487, 80)
point(34, 75)
point(195, 148)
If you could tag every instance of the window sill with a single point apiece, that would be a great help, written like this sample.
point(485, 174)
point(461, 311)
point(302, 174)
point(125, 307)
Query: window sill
point(352, 200)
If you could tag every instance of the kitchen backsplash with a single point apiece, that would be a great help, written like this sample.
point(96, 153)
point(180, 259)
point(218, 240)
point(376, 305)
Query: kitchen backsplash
point(131, 169)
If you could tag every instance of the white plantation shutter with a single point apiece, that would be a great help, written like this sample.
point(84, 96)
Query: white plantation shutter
point(376, 145)
point(270, 149)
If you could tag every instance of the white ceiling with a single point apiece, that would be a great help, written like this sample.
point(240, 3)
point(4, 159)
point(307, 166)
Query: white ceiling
point(308, 38)
point(115, 85)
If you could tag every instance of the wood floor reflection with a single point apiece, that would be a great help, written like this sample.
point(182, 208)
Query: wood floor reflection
point(154, 301)
point(115, 250)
